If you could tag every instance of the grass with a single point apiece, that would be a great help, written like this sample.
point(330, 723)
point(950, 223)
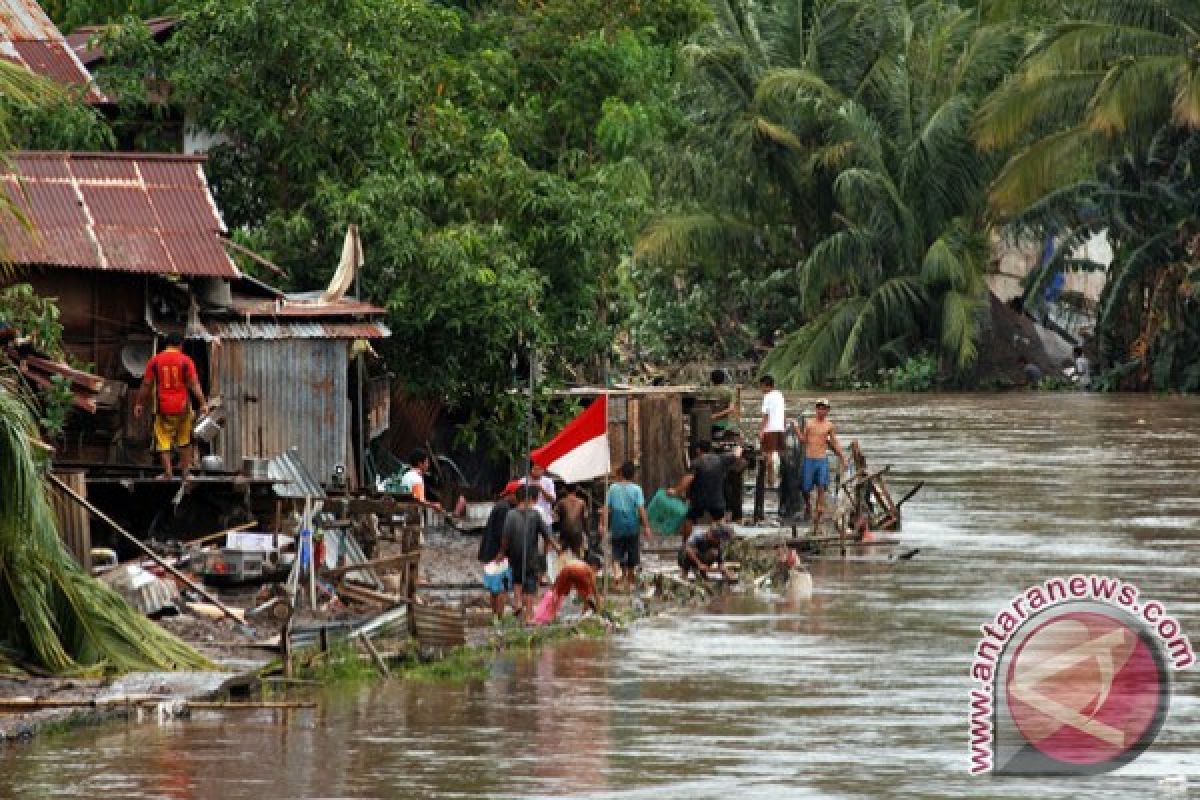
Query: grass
point(460, 665)
point(342, 664)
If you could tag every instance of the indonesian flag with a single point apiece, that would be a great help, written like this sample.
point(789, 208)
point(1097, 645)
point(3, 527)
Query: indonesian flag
point(580, 452)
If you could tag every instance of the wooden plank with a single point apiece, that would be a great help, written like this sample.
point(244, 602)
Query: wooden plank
point(85, 380)
point(74, 523)
point(390, 561)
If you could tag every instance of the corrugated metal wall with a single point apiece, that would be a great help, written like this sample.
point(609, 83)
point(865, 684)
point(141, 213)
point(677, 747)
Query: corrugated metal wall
point(286, 393)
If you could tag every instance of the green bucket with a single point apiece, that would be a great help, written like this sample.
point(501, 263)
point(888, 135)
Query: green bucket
point(666, 513)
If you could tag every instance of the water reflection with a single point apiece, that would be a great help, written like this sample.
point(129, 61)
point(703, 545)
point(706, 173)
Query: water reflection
point(859, 692)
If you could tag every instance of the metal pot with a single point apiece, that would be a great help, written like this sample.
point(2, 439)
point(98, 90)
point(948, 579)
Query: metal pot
point(207, 427)
point(212, 463)
point(255, 468)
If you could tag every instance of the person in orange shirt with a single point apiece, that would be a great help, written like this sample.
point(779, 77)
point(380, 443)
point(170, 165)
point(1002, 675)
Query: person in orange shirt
point(172, 374)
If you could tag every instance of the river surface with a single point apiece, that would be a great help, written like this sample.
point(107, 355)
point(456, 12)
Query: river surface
point(860, 693)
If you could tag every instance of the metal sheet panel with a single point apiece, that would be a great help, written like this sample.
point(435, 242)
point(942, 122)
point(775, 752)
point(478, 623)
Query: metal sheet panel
point(268, 329)
point(286, 393)
point(296, 481)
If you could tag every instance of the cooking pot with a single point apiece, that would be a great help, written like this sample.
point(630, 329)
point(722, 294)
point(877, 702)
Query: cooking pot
point(212, 463)
point(255, 467)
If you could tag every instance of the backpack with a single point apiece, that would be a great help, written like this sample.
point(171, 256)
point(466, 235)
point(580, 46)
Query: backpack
point(623, 522)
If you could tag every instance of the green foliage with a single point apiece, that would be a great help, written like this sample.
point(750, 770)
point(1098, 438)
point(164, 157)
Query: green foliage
point(836, 164)
point(1145, 202)
point(1100, 82)
point(61, 123)
point(36, 317)
point(56, 405)
point(33, 315)
point(344, 664)
point(489, 155)
point(460, 665)
point(918, 373)
point(70, 14)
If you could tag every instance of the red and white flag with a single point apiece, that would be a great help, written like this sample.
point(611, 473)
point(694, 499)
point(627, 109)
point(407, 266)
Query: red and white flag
point(580, 452)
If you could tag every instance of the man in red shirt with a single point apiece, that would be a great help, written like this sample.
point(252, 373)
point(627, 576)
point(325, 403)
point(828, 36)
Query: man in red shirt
point(172, 374)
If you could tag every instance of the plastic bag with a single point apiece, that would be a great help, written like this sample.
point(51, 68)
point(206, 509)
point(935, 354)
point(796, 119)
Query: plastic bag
point(547, 609)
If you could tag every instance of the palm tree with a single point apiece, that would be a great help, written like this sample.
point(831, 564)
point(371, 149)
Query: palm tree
point(1101, 83)
point(1148, 320)
point(852, 119)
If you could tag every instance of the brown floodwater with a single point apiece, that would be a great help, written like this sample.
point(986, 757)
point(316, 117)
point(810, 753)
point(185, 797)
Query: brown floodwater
point(860, 693)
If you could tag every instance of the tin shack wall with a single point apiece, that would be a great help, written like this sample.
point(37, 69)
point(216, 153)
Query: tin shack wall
point(282, 393)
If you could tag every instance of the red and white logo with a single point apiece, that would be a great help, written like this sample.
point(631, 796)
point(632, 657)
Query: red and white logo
point(1086, 688)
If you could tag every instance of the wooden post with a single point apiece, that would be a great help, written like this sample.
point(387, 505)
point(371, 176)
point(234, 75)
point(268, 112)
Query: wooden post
point(760, 489)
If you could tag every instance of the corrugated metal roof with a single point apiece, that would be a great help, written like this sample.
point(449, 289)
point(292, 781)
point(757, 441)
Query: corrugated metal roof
point(263, 329)
point(295, 479)
point(29, 38)
point(131, 212)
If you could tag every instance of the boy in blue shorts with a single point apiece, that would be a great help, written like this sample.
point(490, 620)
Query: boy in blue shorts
point(819, 436)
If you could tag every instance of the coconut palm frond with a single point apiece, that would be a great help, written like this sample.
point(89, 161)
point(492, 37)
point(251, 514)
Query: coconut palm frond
point(1049, 163)
point(777, 134)
point(1185, 105)
point(893, 306)
point(1132, 95)
point(51, 612)
point(684, 239)
point(961, 313)
point(842, 259)
point(1154, 250)
point(1020, 106)
point(811, 354)
point(782, 86)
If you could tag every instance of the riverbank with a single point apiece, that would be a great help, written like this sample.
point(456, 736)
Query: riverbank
point(249, 666)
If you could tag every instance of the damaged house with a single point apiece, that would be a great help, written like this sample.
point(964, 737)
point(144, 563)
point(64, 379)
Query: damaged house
point(131, 246)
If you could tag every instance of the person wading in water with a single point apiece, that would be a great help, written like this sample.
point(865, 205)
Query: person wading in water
point(819, 436)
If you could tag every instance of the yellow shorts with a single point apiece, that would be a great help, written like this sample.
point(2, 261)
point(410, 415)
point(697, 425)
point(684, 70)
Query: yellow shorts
point(172, 430)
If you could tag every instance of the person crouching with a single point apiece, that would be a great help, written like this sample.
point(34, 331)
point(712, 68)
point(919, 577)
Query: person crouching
point(703, 549)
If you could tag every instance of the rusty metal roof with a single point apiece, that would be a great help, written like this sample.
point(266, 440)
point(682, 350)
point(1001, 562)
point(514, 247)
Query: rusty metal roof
point(128, 212)
point(29, 38)
point(264, 329)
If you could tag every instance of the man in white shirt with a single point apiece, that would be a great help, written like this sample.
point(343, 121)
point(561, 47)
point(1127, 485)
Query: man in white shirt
point(545, 499)
point(770, 430)
point(414, 480)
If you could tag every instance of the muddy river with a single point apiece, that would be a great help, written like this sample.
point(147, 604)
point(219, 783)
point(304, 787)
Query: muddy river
point(860, 693)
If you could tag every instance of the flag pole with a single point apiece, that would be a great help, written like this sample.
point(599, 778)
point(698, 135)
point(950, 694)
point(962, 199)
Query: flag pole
point(529, 417)
point(605, 550)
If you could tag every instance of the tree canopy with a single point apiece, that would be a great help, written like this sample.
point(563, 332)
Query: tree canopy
point(823, 180)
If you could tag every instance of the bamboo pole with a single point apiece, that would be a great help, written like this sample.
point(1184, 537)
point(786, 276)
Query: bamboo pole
point(236, 529)
point(251, 705)
point(150, 553)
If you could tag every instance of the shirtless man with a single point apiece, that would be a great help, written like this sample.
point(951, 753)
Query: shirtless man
point(572, 515)
point(819, 435)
